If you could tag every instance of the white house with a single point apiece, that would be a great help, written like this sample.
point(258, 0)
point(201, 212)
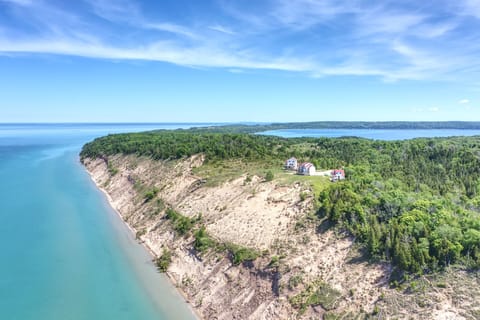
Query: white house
point(307, 169)
point(291, 164)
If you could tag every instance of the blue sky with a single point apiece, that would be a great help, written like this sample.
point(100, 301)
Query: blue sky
point(227, 61)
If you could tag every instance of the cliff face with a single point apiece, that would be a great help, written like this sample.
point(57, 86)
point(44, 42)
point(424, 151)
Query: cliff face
point(300, 264)
point(212, 285)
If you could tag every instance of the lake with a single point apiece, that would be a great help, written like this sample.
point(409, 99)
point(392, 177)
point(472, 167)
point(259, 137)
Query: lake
point(387, 134)
point(65, 254)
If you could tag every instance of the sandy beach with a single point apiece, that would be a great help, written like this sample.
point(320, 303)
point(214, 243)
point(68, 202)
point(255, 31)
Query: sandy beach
point(153, 254)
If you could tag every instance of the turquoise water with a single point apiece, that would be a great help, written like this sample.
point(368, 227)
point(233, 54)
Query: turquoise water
point(391, 134)
point(64, 253)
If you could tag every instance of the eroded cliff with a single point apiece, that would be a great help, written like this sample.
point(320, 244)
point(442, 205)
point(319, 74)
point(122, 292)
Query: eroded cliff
point(303, 270)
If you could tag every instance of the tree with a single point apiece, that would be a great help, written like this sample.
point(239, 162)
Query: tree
point(269, 176)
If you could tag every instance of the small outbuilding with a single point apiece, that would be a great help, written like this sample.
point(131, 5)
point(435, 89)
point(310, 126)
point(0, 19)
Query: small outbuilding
point(291, 164)
point(338, 174)
point(306, 169)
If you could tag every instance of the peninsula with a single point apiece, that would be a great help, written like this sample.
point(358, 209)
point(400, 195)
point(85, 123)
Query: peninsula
point(242, 237)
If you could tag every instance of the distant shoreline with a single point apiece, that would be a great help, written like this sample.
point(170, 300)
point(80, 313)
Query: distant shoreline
point(379, 125)
point(269, 125)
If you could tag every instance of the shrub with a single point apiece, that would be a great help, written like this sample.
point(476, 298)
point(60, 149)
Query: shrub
point(203, 242)
point(171, 214)
point(150, 194)
point(163, 262)
point(140, 233)
point(274, 262)
point(241, 254)
point(112, 170)
point(183, 225)
point(269, 176)
point(180, 224)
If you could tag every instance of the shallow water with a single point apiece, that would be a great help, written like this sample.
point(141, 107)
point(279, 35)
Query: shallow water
point(65, 254)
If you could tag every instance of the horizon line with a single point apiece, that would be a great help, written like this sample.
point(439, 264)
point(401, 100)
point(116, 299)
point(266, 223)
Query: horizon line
point(237, 122)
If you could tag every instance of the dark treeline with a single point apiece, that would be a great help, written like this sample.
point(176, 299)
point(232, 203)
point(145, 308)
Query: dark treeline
point(243, 128)
point(177, 144)
point(415, 202)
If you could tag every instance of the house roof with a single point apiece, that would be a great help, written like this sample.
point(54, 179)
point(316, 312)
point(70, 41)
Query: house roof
point(306, 165)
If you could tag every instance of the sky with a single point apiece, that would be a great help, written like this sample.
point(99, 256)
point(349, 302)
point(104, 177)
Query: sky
point(236, 61)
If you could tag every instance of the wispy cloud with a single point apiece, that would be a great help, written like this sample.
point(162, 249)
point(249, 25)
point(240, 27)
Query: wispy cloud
point(303, 14)
point(170, 27)
point(130, 13)
point(386, 23)
point(464, 101)
point(318, 38)
point(222, 29)
point(19, 2)
point(159, 51)
point(115, 10)
point(44, 18)
point(470, 7)
point(434, 30)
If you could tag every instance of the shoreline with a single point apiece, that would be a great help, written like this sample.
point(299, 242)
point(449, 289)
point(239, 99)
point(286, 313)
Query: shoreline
point(143, 244)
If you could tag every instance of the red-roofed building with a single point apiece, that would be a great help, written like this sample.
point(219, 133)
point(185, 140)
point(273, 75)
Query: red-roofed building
point(338, 174)
point(306, 169)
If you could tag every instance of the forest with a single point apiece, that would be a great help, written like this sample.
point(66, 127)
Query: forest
point(180, 143)
point(414, 203)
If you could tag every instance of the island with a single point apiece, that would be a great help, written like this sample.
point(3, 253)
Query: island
point(395, 232)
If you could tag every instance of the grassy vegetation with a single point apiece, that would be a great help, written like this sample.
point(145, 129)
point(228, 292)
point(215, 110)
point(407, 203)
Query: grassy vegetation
point(111, 169)
point(332, 315)
point(295, 281)
point(303, 196)
point(318, 184)
point(219, 172)
point(316, 293)
point(180, 223)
